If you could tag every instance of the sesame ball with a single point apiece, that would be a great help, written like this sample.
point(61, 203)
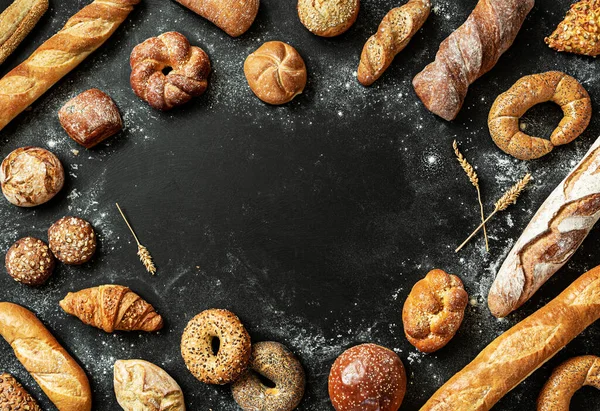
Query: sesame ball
point(29, 261)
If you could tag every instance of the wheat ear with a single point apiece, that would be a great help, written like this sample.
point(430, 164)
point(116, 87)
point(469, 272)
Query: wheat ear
point(472, 174)
point(143, 252)
point(509, 198)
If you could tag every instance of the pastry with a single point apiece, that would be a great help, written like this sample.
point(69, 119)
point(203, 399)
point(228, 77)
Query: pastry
point(551, 238)
point(59, 375)
point(72, 240)
point(275, 72)
point(276, 363)
point(394, 33)
point(517, 353)
point(468, 53)
point(234, 17)
point(17, 21)
point(328, 18)
point(112, 308)
point(13, 397)
point(82, 34)
point(434, 311)
point(188, 76)
point(213, 364)
point(29, 261)
point(90, 118)
point(566, 380)
point(367, 377)
point(530, 90)
point(31, 176)
point(143, 386)
point(578, 32)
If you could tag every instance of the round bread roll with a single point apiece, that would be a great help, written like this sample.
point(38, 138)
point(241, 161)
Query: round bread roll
point(367, 377)
point(31, 176)
point(29, 261)
point(72, 240)
point(275, 72)
point(328, 18)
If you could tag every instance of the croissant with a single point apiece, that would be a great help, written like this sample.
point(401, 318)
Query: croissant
point(394, 33)
point(112, 307)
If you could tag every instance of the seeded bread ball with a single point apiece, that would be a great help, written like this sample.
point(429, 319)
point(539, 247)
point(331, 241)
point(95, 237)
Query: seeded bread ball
point(29, 261)
point(72, 240)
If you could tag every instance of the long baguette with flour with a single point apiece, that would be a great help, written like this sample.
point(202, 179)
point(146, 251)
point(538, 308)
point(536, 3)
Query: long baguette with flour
point(59, 375)
point(551, 238)
point(517, 353)
point(83, 33)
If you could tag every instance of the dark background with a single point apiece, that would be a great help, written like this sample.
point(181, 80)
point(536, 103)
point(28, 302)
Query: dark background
point(311, 221)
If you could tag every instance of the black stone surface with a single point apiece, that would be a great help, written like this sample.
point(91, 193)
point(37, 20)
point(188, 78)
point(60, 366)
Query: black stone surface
point(311, 221)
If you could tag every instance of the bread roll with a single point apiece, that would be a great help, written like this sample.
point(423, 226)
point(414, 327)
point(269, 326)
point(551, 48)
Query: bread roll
point(328, 18)
point(234, 17)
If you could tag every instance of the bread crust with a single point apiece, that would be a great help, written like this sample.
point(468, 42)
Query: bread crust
point(17, 21)
point(56, 372)
point(234, 17)
point(517, 353)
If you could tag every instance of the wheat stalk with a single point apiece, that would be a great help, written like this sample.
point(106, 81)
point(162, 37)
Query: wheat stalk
point(509, 198)
point(472, 174)
point(143, 252)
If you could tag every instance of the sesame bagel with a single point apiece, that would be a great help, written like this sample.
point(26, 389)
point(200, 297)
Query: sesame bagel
point(232, 356)
point(275, 362)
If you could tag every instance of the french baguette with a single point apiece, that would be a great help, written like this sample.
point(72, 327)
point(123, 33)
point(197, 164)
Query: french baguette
point(517, 353)
point(82, 34)
point(57, 373)
point(468, 53)
point(17, 21)
point(551, 238)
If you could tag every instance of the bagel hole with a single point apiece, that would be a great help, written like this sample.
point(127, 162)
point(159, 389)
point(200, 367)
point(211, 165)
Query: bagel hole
point(167, 70)
point(265, 381)
point(541, 120)
point(215, 345)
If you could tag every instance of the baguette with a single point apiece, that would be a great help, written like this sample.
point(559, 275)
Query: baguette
point(517, 353)
point(82, 34)
point(394, 33)
point(551, 238)
point(234, 17)
point(17, 21)
point(57, 373)
point(468, 53)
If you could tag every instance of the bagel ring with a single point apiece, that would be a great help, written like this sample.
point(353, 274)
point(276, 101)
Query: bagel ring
point(275, 362)
point(560, 88)
point(233, 354)
point(566, 379)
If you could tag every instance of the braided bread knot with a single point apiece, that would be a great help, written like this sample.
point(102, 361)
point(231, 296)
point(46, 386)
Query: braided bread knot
point(160, 87)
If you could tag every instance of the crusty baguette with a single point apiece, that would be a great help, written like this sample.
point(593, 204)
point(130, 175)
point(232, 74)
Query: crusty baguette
point(517, 353)
point(17, 21)
point(551, 238)
point(234, 17)
point(82, 34)
point(394, 33)
point(57, 373)
point(468, 53)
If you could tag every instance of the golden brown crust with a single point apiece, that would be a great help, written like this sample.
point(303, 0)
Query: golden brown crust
point(394, 33)
point(72, 240)
point(234, 17)
point(56, 372)
point(233, 356)
point(434, 311)
point(275, 72)
point(328, 18)
point(13, 397)
point(90, 118)
point(83, 33)
point(17, 21)
point(188, 78)
point(579, 32)
point(112, 308)
point(31, 176)
point(564, 90)
point(29, 261)
point(275, 362)
point(141, 385)
point(517, 353)
point(566, 379)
